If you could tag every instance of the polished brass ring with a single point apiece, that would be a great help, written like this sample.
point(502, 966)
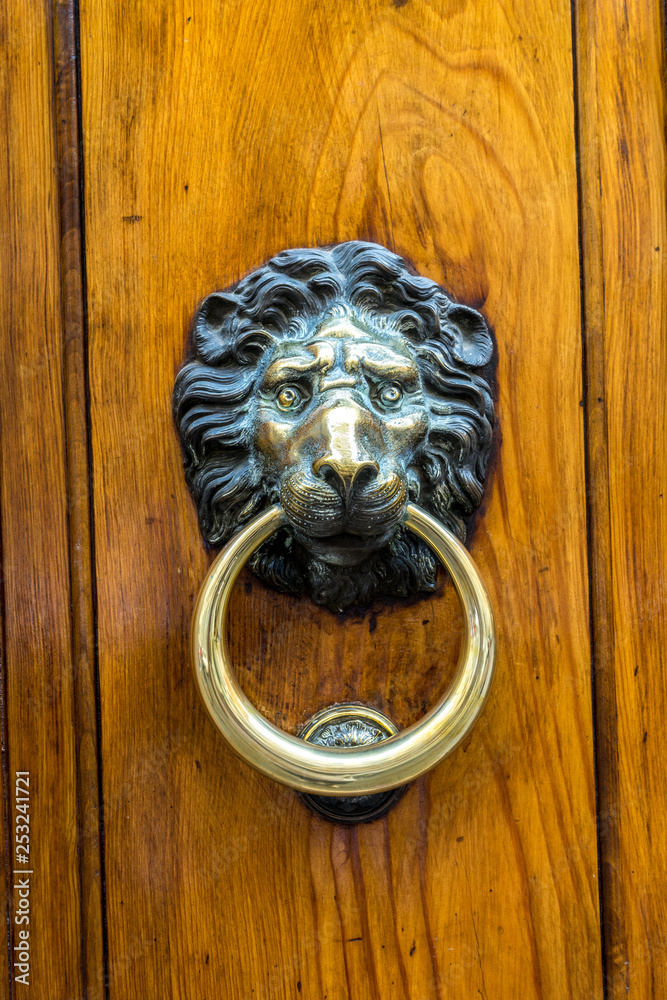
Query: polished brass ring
point(362, 770)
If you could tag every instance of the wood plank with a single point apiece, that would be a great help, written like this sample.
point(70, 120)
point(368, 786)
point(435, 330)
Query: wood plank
point(89, 817)
point(620, 52)
point(37, 653)
point(215, 136)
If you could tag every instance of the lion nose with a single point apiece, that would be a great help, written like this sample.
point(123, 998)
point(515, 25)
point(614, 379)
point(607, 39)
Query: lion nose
point(347, 434)
point(345, 472)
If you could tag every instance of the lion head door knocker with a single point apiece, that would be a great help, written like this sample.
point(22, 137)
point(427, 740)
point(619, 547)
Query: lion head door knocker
point(336, 422)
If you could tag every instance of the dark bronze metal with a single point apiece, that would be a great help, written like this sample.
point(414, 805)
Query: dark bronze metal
point(342, 385)
point(351, 726)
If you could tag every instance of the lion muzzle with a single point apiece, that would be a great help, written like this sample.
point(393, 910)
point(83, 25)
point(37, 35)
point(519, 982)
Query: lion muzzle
point(344, 489)
point(317, 509)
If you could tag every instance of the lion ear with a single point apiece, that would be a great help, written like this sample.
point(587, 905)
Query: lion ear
point(472, 342)
point(214, 327)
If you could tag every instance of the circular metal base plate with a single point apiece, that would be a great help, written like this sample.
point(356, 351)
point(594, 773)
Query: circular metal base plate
point(350, 726)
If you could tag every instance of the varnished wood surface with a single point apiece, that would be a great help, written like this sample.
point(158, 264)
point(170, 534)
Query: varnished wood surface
point(624, 226)
point(214, 137)
point(38, 725)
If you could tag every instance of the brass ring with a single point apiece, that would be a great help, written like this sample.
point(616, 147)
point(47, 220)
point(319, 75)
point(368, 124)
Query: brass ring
point(362, 770)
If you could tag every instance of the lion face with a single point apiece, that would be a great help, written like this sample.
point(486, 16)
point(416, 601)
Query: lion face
point(340, 418)
point(342, 385)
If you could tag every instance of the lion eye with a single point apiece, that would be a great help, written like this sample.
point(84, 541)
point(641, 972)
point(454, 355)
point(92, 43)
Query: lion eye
point(288, 398)
point(390, 395)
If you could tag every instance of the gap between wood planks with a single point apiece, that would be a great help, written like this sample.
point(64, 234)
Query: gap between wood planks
point(90, 816)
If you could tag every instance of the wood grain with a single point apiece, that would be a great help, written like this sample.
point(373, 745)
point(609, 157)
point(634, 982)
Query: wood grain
point(215, 136)
point(37, 652)
point(624, 228)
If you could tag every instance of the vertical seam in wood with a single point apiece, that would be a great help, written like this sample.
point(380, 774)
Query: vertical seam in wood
point(91, 511)
point(90, 817)
point(603, 685)
point(91, 493)
point(587, 476)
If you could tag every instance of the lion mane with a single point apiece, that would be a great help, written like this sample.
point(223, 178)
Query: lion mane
point(232, 338)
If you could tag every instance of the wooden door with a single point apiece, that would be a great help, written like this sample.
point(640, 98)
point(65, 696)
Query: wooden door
point(155, 152)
